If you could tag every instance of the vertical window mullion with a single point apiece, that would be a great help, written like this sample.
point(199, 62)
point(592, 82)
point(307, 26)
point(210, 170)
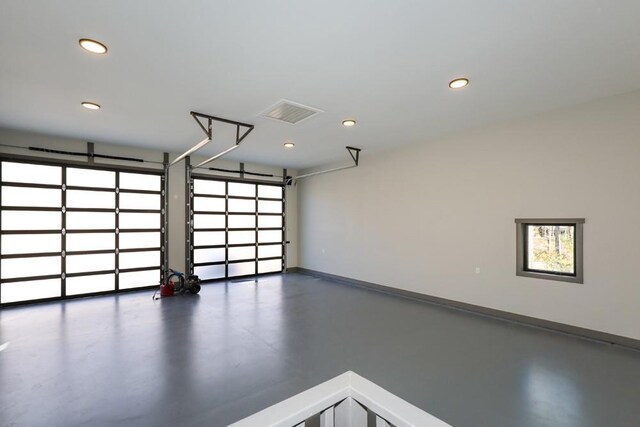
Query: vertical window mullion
point(63, 234)
point(117, 237)
point(226, 229)
point(257, 247)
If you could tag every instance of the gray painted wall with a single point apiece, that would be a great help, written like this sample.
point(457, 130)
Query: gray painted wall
point(176, 181)
point(424, 217)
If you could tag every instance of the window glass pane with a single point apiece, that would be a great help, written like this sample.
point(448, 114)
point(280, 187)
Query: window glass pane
point(270, 191)
point(139, 201)
point(89, 284)
point(40, 197)
point(139, 259)
point(247, 252)
point(90, 241)
point(28, 220)
point(92, 262)
point(241, 189)
point(208, 255)
point(208, 221)
point(30, 243)
point(206, 238)
point(207, 272)
point(266, 236)
point(273, 265)
point(204, 186)
point(139, 220)
point(91, 220)
point(139, 279)
point(269, 251)
point(91, 178)
point(550, 248)
point(269, 221)
point(139, 181)
point(269, 206)
point(242, 221)
point(239, 237)
point(242, 205)
point(140, 240)
point(30, 267)
point(31, 174)
point(91, 199)
point(242, 269)
point(210, 204)
point(24, 291)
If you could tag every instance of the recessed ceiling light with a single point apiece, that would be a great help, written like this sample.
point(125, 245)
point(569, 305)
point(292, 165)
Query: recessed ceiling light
point(458, 83)
point(93, 46)
point(289, 145)
point(91, 105)
point(348, 123)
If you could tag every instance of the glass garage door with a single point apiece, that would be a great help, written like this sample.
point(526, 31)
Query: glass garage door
point(237, 228)
point(68, 231)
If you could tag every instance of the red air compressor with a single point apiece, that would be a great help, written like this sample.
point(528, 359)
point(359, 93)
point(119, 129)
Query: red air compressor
point(167, 289)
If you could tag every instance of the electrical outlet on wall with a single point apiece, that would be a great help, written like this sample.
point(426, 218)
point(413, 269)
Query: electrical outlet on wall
point(477, 270)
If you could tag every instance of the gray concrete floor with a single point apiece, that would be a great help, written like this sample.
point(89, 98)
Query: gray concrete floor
point(237, 348)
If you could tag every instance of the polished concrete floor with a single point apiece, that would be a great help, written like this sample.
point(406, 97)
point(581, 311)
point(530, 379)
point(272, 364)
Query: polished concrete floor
point(239, 347)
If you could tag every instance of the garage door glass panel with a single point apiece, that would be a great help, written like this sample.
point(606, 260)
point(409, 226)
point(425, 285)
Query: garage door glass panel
point(139, 220)
point(139, 279)
point(133, 240)
point(139, 181)
point(30, 290)
point(209, 204)
point(209, 238)
point(242, 205)
point(201, 186)
point(241, 237)
point(28, 243)
point(139, 201)
point(30, 267)
point(269, 251)
point(270, 191)
point(242, 221)
point(31, 174)
point(269, 236)
point(208, 221)
point(269, 206)
point(26, 196)
point(242, 252)
point(270, 221)
point(90, 262)
point(208, 272)
point(31, 220)
point(91, 199)
point(240, 189)
point(91, 220)
point(269, 266)
point(139, 259)
point(242, 269)
point(90, 284)
point(79, 177)
point(208, 255)
point(90, 241)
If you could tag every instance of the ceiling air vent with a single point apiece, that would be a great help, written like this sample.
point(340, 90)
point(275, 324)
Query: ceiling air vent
point(289, 112)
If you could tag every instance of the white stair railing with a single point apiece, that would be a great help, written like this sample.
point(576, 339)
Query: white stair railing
point(347, 400)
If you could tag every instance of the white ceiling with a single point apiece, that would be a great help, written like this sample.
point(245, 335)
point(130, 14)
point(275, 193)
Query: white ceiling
point(385, 63)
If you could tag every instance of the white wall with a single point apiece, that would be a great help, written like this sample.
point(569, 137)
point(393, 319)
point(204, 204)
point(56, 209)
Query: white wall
point(176, 180)
point(423, 217)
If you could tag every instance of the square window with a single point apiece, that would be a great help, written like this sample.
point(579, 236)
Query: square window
point(550, 249)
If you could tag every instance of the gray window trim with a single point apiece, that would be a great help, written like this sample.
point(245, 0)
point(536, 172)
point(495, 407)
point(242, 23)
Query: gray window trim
point(578, 223)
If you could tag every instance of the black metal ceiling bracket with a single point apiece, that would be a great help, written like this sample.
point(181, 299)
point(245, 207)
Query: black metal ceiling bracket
point(208, 129)
point(356, 156)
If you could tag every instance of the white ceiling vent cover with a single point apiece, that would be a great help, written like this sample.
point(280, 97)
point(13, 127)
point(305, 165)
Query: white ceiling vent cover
point(289, 112)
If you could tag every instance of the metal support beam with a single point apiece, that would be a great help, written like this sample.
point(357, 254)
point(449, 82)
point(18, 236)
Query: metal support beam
point(208, 130)
point(353, 152)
